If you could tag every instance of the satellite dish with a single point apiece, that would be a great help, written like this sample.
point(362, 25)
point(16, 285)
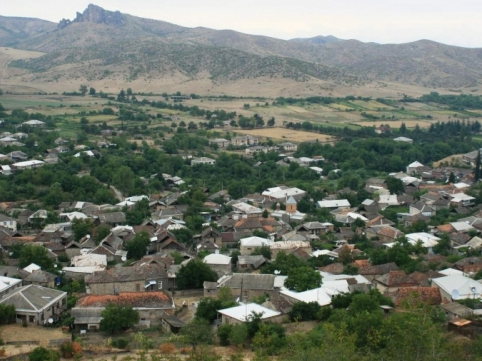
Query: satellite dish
point(237, 299)
point(51, 320)
point(277, 272)
point(455, 294)
point(124, 258)
point(55, 265)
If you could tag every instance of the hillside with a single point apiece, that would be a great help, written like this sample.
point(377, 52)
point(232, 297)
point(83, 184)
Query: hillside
point(100, 44)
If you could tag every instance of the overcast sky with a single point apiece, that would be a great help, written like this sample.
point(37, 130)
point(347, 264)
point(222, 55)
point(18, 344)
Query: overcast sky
point(383, 21)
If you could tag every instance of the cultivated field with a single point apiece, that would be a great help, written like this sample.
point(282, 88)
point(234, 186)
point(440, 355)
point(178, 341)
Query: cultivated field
point(288, 135)
point(396, 123)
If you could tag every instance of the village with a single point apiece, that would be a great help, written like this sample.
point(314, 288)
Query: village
point(188, 253)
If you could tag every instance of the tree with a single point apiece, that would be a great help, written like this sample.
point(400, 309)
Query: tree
point(35, 254)
point(302, 279)
point(43, 354)
point(117, 318)
point(198, 332)
point(91, 91)
point(137, 248)
point(124, 179)
point(83, 89)
point(194, 274)
point(477, 168)
point(452, 177)
point(395, 185)
point(303, 311)
point(208, 309)
point(271, 122)
point(81, 228)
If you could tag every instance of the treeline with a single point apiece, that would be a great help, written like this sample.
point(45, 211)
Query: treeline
point(455, 102)
point(318, 100)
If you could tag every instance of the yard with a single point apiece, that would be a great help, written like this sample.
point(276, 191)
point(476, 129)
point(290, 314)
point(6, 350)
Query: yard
point(288, 135)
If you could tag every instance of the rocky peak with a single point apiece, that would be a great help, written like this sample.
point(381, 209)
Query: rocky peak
point(95, 14)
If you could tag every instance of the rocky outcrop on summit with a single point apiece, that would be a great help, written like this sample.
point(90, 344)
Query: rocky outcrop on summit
point(95, 14)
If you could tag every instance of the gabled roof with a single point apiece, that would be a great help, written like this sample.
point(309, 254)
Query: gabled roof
point(157, 299)
point(248, 281)
point(244, 311)
point(127, 274)
point(216, 259)
point(459, 287)
point(32, 298)
point(411, 296)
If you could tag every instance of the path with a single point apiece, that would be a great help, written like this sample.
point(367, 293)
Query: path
point(118, 193)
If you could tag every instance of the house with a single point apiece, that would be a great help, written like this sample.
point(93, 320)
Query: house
point(333, 204)
point(471, 157)
point(219, 263)
point(283, 193)
point(171, 323)
point(202, 160)
point(40, 278)
point(8, 284)
point(8, 222)
point(413, 296)
point(246, 263)
point(150, 305)
point(461, 200)
point(245, 140)
point(414, 168)
point(315, 228)
point(210, 239)
point(246, 208)
point(34, 123)
point(36, 304)
point(243, 313)
point(220, 142)
point(321, 295)
point(391, 282)
point(250, 244)
point(457, 287)
point(289, 247)
point(288, 147)
point(469, 265)
point(454, 310)
point(139, 278)
point(28, 164)
point(112, 218)
point(246, 286)
point(403, 139)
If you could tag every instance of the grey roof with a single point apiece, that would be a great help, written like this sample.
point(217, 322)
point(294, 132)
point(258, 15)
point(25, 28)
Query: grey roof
point(126, 274)
point(113, 217)
point(40, 276)
point(457, 309)
point(256, 261)
point(86, 315)
point(249, 281)
point(32, 298)
point(173, 320)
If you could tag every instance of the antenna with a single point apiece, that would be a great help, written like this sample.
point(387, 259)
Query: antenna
point(455, 294)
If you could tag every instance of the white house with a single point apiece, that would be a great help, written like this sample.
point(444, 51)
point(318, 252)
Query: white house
point(203, 160)
point(333, 204)
point(413, 167)
point(458, 287)
point(243, 312)
point(8, 222)
point(28, 164)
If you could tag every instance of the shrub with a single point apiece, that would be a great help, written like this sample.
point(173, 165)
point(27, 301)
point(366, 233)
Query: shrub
point(185, 350)
point(167, 348)
point(120, 343)
point(67, 350)
point(43, 354)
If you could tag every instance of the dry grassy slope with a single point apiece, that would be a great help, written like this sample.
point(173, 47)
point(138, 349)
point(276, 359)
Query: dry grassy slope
point(133, 47)
point(15, 29)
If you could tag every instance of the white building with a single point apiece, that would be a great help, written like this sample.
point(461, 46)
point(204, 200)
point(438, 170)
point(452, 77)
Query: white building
point(203, 160)
point(28, 164)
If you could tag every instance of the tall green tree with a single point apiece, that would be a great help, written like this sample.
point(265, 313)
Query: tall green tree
point(137, 247)
point(35, 254)
point(303, 279)
point(194, 274)
point(117, 318)
point(477, 168)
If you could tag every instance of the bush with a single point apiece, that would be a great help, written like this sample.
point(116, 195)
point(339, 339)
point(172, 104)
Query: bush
point(120, 343)
point(67, 350)
point(223, 334)
point(167, 348)
point(43, 354)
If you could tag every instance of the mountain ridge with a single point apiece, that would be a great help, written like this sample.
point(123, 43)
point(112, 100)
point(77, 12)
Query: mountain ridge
point(81, 40)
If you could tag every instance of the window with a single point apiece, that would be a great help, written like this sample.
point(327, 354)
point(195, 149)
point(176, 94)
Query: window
point(159, 285)
point(138, 287)
point(31, 319)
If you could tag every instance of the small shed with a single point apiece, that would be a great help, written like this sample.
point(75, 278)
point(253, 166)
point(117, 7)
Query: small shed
point(171, 323)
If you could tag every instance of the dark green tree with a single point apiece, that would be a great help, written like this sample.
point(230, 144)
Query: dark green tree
point(194, 274)
point(35, 254)
point(117, 318)
point(302, 279)
point(137, 247)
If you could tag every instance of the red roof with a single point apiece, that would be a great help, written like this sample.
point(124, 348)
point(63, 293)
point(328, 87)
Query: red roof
point(134, 299)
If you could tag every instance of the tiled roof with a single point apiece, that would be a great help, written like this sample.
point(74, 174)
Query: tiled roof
point(409, 296)
point(127, 274)
point(156, 299)
point(396, 278)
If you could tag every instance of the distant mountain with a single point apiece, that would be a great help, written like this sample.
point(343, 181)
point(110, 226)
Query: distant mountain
point(317, 40)
point(99, 42)
point(15, 29)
